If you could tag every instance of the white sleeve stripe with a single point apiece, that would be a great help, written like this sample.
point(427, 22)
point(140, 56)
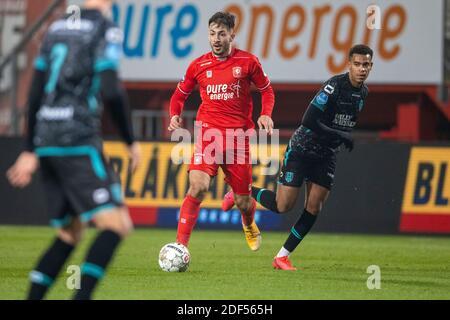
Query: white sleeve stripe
point(178, 86)
point(268, 84)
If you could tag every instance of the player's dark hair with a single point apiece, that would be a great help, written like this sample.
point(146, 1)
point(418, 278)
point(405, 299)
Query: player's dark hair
point(360, 49)
point(223, 18)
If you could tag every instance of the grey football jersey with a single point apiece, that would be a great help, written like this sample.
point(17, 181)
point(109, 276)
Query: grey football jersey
point(72, 55)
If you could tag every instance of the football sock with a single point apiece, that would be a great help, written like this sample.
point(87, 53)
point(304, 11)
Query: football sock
point(48, 267)
point(97, 259)
point(283, 252)
point(188, 217)
point(299, 230)
point(266, 198)
point(247, 217)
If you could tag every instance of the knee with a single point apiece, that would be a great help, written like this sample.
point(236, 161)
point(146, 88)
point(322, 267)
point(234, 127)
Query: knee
point(70, 235)
point(117, 221)
point(283, 207)
point(123, 229)
point(198, 189)
point(314, 207)
point(243, 204)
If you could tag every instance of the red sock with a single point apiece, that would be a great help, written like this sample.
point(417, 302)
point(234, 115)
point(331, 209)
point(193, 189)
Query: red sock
point(247, 217)
point(188, 217)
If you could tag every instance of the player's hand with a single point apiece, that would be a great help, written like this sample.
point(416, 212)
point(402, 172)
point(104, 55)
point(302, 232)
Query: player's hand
point(347, 140)
point(135, 154)
point(265, 122)
point(175, 123)
point(21, 172)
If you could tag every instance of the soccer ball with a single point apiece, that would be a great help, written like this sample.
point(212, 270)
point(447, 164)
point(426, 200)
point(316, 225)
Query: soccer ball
point(174, 257)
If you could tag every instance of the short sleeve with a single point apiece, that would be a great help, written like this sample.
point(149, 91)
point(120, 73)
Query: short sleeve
point(325, 95)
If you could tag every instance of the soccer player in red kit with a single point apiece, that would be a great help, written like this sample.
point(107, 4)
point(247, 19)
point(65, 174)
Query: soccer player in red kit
point(224, 76)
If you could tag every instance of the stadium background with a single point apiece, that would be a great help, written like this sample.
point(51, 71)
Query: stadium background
point(396, 180)
point(390, 207)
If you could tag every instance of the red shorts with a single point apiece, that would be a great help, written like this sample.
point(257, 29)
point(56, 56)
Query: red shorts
point(230, 153)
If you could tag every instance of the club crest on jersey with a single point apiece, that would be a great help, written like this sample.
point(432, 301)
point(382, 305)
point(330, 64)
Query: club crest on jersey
point(209, 73)
point(237, 72)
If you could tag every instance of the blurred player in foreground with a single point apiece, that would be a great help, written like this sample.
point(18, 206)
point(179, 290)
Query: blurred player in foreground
point(311, 153)
point(77, 60)
point(224, 76)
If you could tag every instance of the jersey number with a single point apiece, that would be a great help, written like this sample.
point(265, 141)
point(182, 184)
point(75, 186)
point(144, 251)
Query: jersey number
point(58, 55)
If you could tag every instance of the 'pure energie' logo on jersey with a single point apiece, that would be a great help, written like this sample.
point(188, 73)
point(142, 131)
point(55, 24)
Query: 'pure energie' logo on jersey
point(223, 91)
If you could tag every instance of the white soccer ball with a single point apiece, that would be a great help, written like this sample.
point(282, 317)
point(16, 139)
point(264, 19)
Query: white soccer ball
point(174, 257)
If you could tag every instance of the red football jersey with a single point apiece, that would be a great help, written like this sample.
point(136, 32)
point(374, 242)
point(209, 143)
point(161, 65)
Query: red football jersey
point(225, 88)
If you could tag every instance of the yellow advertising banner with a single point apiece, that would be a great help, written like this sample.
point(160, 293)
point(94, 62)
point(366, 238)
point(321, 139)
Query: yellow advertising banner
point(161, 182)
point(427, 188)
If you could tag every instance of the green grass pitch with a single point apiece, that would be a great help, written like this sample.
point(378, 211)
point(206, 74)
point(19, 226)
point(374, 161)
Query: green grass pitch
point(331, 266)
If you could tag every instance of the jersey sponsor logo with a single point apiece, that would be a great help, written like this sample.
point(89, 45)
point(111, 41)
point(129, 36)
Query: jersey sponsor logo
point(344, 120)
point(216, 88)
point(322, 98)
point(237, 72)
point(219, 92)
point(209, 73)
point(236, 87)
point(55, 113)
